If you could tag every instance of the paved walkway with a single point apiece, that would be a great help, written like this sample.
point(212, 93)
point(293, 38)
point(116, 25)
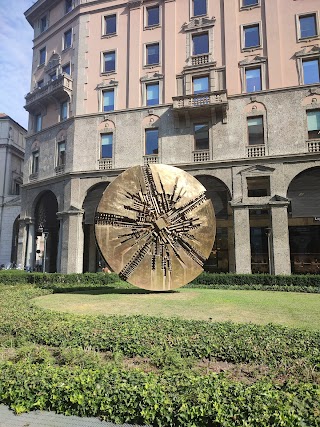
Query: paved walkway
point(49, 419)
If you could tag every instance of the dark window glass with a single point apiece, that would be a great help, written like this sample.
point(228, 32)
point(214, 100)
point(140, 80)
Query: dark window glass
point(200, 44)
point(106, 146)
point(308, 26)
point(61, 154)
point(152, 53)
point(313, 124)
point(109, 61)
point(153, 16)
point(253, 79)
point(249, 2)
point(201, 84)
point(311, 73)
point(153, 94)
point(258, 187)
point(67, 39)
point(111, 24)
point(251, 36)
point(42, 59)
point(199, 7)
point(108, 100)
point(66, 69)
point(64, 110)
point(43, 24)
point(68, 6)
point(201, 136)
point(35, 162)
point(40, 83)
point(53, 76)
point(38, 123)
point(152, 141)
point(255, 131)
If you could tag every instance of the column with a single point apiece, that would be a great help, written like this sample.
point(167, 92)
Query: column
point(26, 243)
point(72, 239)
point(280, 239)
point(242, 240)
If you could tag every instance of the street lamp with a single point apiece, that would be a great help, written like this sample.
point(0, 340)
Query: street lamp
point(45, 235)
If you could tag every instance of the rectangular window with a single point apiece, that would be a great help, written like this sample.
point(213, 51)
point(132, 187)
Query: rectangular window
point(311, 71)
point(151, 138)
point(200, 44)
point(249, 2)
point(153, 16)
point(64, 110)
point(67, 39)
point(66, 69)
point(53, 76)
point(35, 162)
point(42, 56)
point(201, 136)
point(38, 123)
point(152, 54)
point(16, 188)
point(108, 100)
point(152, 93)
point(43, 24)
point(40, 84)
point(200, 84)
point(308, 26)
point(255, 130)
point(68, 6)
point(110, 24)
point(258, 187)
point(106, 146)
point(313, 124)
point(109, 61)
point(253, 79)
point(61, 160)
point(251, 36)
point(199, 7)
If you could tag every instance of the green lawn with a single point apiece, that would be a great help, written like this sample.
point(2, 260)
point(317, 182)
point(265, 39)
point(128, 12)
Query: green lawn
point(261, 307)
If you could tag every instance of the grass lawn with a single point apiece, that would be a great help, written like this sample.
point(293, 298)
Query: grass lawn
point(260, 307)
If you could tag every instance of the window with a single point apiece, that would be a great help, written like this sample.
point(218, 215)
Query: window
point(43, 24)
point(311, 71)
point(68, 6)
point(152, 93)
point(199, 7)
point(64, 110)
point(313, 124)
point(153, 16)
point(200, 84)
point(109, 61)
point(201, 136)
point(152, 54)
point(42, 55)
point(251, 36)
point(35, 162)
point(258, 186)
point(61, 160)
point(108, 100)
point(151, 139)
point(110, 24)
point(106, 146)
point(53, 76)
point(249, 3)
point(66, 69)
point(255, 130)
point(200, 44)
point(16, 188)
point(253, 79)
point(67, 39)
point(38, 123)
point(40, 83)
point(308, 26)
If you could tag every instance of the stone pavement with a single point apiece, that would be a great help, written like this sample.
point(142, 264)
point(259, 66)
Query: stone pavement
point(50, 419)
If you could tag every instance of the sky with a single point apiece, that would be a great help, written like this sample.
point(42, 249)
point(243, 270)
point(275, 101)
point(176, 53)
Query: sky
point(16, 36)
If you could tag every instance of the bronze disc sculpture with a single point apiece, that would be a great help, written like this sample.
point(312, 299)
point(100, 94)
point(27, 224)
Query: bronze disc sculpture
point(155, 227)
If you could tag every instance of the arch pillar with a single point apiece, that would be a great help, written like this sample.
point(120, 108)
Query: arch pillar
point(242, 250)
point(26, 243)
point(70, 252)
point(280, 238)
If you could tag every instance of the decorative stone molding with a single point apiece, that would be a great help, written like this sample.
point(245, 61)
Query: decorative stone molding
point(54, 62)
point(307, 51)
point(252, 61)
point(149, 78)
point(199, 23)
point(257, 170)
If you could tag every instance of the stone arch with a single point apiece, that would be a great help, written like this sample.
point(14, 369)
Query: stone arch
point(91, 257)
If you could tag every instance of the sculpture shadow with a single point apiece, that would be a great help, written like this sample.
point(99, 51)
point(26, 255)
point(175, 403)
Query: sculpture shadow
point(108, 290)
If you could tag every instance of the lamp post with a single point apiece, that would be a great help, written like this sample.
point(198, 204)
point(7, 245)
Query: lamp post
point(45, 235)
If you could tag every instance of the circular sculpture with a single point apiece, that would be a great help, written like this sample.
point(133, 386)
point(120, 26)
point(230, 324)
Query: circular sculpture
point(155, 227)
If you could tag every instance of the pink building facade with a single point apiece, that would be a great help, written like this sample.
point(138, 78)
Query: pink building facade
point(227, 90)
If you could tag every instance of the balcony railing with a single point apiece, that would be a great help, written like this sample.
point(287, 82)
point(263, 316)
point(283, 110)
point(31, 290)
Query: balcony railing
point(201, 156)
point(200, 100)
point(59, 170)
point(256, 150)
point(55, 88)
point(105, 164)
point(150, 159)
point(314, 146)
point(200, 59)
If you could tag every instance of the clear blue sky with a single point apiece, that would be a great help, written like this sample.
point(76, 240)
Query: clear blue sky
point(15, 58)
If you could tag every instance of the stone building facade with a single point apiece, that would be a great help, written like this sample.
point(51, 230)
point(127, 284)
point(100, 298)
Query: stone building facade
point(226, 90)
point(12, 146)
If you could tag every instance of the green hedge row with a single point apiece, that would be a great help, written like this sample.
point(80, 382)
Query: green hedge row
point(171, 399)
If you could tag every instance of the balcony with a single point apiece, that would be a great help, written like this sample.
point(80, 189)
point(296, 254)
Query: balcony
point(55, 90)
point(105, 164)
point(256, 151)
point(314, 146)
point(201, 156)
point(149, 159)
